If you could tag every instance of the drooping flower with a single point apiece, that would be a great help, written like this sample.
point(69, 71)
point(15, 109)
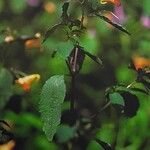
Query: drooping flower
point(50, 7)
point(26, 82)
point(140, 62)
point(33, 43)
point(115, 2)
point(8, 146)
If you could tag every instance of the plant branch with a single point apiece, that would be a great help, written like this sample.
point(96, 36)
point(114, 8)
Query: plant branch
point(130, 85)
point(117, 127)
point(102, 109)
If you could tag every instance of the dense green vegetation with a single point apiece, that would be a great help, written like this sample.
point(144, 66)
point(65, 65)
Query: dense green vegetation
point(103, 99)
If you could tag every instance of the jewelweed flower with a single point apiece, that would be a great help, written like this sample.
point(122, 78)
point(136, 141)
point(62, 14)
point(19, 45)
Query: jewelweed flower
point(115, 2)
point(50, 7)
point(8, 146)
point(140, 62)
point(33, 43)
point(26, 82)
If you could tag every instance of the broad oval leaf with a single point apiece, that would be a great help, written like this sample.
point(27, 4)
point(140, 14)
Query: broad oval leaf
point(116, 98)
point(52, 97)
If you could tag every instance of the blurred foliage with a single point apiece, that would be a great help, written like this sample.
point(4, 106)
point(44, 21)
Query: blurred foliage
point(22, 28)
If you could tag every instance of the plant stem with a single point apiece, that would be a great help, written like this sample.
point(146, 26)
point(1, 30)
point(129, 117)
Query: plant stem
point(102, 109)
point(74, 66)
point(131, 84)
point(73, 94)
point(116, 134)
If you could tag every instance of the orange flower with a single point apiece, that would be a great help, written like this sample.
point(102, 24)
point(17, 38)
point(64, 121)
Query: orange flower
point(8, 146)
point(115, 2)
point(140, 62)
point(33, 43)
point(50, 7)
point(26, 82)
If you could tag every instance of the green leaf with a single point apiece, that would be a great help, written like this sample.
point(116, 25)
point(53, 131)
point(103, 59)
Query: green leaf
point(118, 26)
point(52, 97)
point(116, 98)
point(105, 145)
point(6, 81)
point(65, 133)
point(139, 90)
point(94, 58)
point(51, 30)
point(64, 48)
point(61, 48)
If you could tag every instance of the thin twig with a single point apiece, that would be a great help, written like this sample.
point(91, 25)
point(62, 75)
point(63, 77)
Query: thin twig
point(82, 17)
point(117, 127)
point(102, 109)
point(131, 84)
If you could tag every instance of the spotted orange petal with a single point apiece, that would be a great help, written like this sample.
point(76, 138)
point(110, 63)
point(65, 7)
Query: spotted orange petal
point(33, 43)
point(8, 146)
point(140, 62)
point(26, 82)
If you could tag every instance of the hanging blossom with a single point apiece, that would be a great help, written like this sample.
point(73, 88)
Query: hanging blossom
point(115, 2)
point(26, 82)
point(118, 15)
point(34, 42)
point(140, 62)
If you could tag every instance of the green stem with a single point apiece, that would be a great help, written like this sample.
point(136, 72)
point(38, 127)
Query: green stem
point(116, 134)
point(131, 84)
